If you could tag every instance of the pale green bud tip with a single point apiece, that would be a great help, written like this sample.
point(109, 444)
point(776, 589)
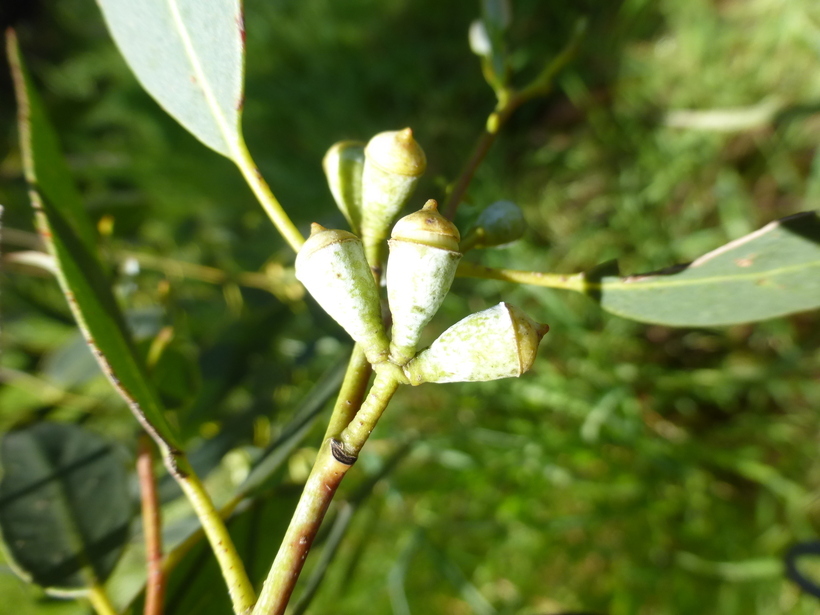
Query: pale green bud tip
point(428, 227)
point(342, 149)
point(320, 236)
point(397, 152)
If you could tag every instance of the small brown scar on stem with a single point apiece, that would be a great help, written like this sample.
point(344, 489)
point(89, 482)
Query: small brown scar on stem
point(744, 262)
point(339, 453)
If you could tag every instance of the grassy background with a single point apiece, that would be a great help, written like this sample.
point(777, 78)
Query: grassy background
point(636, 469)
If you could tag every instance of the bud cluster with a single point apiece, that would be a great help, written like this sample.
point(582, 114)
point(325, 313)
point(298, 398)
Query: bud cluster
point(370, 184)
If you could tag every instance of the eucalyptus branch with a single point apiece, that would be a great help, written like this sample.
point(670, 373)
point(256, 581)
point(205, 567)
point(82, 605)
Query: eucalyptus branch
point(151, 528)
point(342, 522)
point(573, 281)
point(509, 99)
point(319, 490)
point(334, 460)
point(269, 202)
point(351, 393)
point(358, 431)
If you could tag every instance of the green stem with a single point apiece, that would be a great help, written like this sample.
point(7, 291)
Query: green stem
point(480, 150)
point(358, 431)
point(574, 281)
point(202, 273)
point(334, 460)
point(320, 488)
point(100, 601)
point(351, 393)
point(269, 202)
point(508, 101)
point(239, 586)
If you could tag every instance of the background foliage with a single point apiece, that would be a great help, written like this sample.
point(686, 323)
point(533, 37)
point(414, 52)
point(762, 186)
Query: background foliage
point(637, 469)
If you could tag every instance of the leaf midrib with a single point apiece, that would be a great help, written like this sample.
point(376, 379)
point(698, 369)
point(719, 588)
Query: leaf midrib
point(204, 84)
point(622, 284)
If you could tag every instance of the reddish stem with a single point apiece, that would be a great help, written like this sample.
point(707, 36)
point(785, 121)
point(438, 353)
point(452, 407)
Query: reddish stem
point(152, 528)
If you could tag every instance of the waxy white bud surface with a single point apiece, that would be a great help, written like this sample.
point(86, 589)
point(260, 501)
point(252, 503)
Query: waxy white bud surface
point(420, 270)
point(499, 342)
point(333, 268)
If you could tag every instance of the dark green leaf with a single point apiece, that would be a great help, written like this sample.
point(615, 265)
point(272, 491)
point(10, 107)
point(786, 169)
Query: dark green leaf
point(80, 274)
point(772, 272)
point(64, 505)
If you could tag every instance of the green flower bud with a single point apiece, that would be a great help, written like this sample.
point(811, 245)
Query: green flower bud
point(500, 223)
point(497, 343)
point(420, 270)
point(332, 266)
point(393, 164)
point(343, 165)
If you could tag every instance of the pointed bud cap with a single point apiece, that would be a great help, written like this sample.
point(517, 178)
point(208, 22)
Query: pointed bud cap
point(428, 227)
point(397, 152)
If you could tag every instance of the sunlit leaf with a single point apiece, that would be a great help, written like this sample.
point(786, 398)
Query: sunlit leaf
point(189, 55)
point(64, 505)
point(772, 272)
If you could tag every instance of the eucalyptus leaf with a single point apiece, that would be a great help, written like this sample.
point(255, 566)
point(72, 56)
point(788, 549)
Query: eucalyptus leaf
point(81, 277)
point(772, 272)
point(188, 55)
point(64, 505)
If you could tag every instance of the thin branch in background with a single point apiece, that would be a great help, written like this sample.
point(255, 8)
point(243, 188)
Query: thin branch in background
point(100, 601)
point(509, 100)
point(571, 281)
point(151, 528)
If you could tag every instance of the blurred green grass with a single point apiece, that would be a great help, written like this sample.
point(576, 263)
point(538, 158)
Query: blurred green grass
point(636, 469)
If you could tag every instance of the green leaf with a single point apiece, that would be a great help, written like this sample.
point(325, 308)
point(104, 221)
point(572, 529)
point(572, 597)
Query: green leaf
point(80, 274)
point(43, 162)
point(189, 55)
point(772, 272)
point(64, 505)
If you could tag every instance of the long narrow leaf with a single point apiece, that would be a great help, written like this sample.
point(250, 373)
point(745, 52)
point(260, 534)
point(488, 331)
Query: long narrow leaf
point(79, 272)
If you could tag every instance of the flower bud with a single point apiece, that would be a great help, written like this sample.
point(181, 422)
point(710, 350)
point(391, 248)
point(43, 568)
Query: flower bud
point(393, 164)
point(420, 270)
point(332, 266)
point(497, 343)
point(500, 223)
point(343, 165)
